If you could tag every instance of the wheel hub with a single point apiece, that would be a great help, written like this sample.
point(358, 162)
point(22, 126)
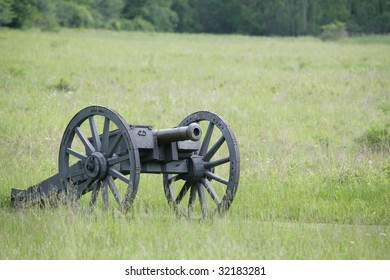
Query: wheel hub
point(96, 166)
point(197, 169)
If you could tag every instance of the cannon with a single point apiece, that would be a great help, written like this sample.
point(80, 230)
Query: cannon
point(102, 155)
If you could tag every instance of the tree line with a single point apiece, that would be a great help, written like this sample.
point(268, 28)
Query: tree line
point(252, 17)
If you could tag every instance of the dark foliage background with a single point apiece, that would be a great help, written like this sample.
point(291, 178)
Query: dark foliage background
point(252, 17)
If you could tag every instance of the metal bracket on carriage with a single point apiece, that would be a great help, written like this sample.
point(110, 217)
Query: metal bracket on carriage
point(101, 154)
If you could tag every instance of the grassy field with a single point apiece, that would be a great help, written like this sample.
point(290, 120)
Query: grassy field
point(312, 120)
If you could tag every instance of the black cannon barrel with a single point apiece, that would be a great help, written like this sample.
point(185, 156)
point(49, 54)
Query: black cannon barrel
point(192, 132)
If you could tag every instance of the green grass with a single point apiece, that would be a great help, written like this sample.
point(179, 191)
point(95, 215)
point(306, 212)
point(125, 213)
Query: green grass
point(313, 185)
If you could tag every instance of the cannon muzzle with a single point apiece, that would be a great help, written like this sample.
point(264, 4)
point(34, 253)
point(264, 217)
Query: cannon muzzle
point(192, 132)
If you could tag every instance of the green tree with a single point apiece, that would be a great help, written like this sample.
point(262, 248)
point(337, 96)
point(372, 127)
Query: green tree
point(277, 17)
point(252, 18)
point(384, 17)
point(186, 20)
point(47, 18)
point(71, 14)
point(215, 16)
point(6, 12)
point(333, 10)
point(26, 13)
point(158, 13)
point(370, 16)
point(133, 8)
point(107, 13)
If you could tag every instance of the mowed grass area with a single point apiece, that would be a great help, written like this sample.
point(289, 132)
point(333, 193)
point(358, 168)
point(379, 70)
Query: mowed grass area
point(312, 120)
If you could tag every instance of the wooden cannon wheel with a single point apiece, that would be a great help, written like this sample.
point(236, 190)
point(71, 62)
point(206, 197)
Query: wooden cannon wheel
point(97, 155)
point(215, 171)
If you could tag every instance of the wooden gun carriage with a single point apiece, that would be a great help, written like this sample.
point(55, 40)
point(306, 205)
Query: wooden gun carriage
point(101, 154)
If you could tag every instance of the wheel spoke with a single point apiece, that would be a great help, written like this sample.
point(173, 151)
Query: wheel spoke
point(192, 199)
point(115, 160)
point(216, 163)
point(105, 194)
point(106, 135)
point(182, 192)
point(88, 146)
point(214, 149)
point(226, 202)
point(83, 187)
point(173, 179)
point(114, 190)
point(95, 134)
point(202, 199)
point(211, 191)
point(114, 145)
point(116, 174)
point(76, 154)
point(95, 192)
point(216, 177)
point(206, 141)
